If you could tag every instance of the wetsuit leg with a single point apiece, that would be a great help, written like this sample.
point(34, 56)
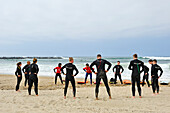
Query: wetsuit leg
point(143, 80)
point(30, 82)
point(147, 80)
point(97, 86)
point(60, 78)
point(115, 78)
point(120, 78)
point(18, 83)
point(133, 86)
point(138, 85)
point(26, 79)
point(107, 85)
point(56, 79)
point(86, 78)
point(157, 85)
point(90, 78)
point(36, 85)
point(153, 85)
point(66, 86)
point(74, 87)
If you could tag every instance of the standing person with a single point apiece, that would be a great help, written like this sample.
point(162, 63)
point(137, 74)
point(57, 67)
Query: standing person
point(58, 73)
point(155, 77)
point(88, 72)
point(33, 77)
point(118, 72)
point(101, 73)
point(135, 66)
point(146, 76)
point(26, 71)
point(18, 73)
point(70, 67)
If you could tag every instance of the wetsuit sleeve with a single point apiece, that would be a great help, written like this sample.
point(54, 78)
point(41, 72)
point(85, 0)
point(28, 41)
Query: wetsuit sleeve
point(23, 69)
point(84, 69)
point(91, 66)
point(147, 69)
point(114, 68)
point(142, 67)
point(130, 66)
point(122, 69)
point(62, 69)
point(76, 70)
point(108, 63)
point(161, 71)
point(16, 72)
point(37, 69)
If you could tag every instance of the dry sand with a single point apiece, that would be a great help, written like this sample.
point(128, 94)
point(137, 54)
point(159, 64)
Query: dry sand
point(50, 99)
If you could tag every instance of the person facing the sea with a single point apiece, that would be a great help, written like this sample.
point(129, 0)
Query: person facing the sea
point(135, 66)
point(154, 76)
point(70, 67)
point(88, 72)
point(33, 77)
point(58, 73)
point(101, 73)
point(118, 70)
point(18, 74)
point(146, 76)
point(26, 71)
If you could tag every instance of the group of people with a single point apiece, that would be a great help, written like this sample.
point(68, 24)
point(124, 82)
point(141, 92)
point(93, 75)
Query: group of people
point(137, 67)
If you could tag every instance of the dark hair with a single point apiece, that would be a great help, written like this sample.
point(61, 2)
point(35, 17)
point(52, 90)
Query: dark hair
point(87, 64)
point(154, 60)
point(34, 60)
point(19, 63)
point(135, 55)
point(71, 58)
point(59, 65)
point(118, 61)
point(99, 55)
point(150, 60)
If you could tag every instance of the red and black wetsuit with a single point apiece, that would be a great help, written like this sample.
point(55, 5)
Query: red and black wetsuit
point(58, 74)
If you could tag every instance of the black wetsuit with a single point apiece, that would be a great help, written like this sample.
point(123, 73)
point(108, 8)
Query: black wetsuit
point(69, 77)
point(117, 72)
point(18, 72)
point(33, 78)
point(101, 74)
point(154, 73)
point(26, 69)
point(146, 76)
point(135, 66)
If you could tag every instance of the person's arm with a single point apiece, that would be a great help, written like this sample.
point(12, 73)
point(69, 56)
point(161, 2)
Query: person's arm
point(54, 70)
point(160, 69)
point(122, 69)
point(23, 69)
point(114, 68)
point(62, 69)
point(130, 66)
point(84, 69)
point(108, 63)
point(91, 67)
point(75, 68)
point(142, 67)
point(16, 72)
point(37, 69)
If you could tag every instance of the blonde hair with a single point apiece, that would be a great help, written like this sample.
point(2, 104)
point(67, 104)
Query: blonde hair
point(70, 58)
point(34, 60)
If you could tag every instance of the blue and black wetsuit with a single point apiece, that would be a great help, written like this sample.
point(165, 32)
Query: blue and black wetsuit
point(69, 77)
point(18, 72)
point(135, 66)
point(101, 74)
point(119, 69)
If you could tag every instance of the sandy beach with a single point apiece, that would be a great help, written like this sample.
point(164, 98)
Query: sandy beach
point(50, 99)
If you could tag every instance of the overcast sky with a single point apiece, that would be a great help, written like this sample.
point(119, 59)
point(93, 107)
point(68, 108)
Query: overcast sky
point(84, 27)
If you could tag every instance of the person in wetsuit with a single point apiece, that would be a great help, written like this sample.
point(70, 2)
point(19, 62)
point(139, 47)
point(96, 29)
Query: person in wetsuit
point(18, 74)
point(154, 75)
point(58, 73)
point(70, 67)
point(146, 76)
point(26, 71)
point(33, 77)
point(101, 73)
point(88, 72)
point(135, 66)
point(118, 70)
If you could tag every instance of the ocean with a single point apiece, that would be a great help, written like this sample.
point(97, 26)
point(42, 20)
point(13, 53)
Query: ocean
point(8, 66)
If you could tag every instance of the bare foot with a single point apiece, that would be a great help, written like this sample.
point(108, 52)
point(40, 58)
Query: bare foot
point(64, 97)
point(18, 90)
point(153, 94)
point(140, 96)
point(97, 98)
point(133, 97)
point(110, 97)
point(37, 95)
point(74, 97)
point(157, 93)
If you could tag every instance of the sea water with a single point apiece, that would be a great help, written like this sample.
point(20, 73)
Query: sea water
point(46, 66)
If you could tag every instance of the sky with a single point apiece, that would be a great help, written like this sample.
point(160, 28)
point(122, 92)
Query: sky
point(84, 27)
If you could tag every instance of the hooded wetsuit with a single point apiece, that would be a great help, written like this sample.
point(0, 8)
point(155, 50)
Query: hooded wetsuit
point(26, 69)
point(135, 66)
point(69, 77)
point(18, 72)
point(119, 69)
point(146, 76)
point(154, 73)
point(101, 74)
point(58, 74)
point(33, 78)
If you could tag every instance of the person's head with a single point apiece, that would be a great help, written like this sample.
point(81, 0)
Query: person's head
point(87, 65)
point(118, 62)
point(135, 56)
point(19, 64)
point(34, 60)
point(99, 56)
point(59, 65)
point(154, 61)
point(150, 61)
point(71, 60)
point(28, 63)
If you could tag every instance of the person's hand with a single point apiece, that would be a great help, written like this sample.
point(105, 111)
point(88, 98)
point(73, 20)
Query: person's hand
point(120, 73)
point(158, 77)
point(25, 72)
point(19, 75)
point(35, 73)
point(145, 73)
point(95, 73)
point(115, 72)
point(106, 71)
point(73, 75)
point(64, 74)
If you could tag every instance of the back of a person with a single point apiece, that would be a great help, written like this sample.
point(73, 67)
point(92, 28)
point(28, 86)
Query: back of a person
point(33, 68)
point(136, 66)
point(69, 70)
point(100, 63)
